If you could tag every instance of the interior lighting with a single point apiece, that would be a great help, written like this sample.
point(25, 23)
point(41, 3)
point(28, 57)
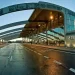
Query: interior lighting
point(51, 17)
point(73, 45)
point(68, 45)
point(60, 16)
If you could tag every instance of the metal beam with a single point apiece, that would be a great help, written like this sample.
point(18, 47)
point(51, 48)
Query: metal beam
point(47, 36)
point(5, 36)
point(39, 36)
point(17, 29)
point(12, 37)
point(13, 24)
point(27, 6)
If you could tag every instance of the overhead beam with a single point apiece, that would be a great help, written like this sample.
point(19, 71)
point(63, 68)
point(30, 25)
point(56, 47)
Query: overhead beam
point(26, 6)
point(13, 24)
point(12, 37)
point(20, 23)
point(17, 29)
point(47, 36)
point(41, 37)
point(5, 36)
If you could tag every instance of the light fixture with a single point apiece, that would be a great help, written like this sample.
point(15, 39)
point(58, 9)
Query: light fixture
point(51, 17)
point(60, 16)
point(39, 25)
point(73, 45)
point(32, 29)
point(68, 44)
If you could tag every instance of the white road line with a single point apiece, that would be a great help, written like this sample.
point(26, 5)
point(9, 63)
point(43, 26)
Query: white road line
point(8, 57)
point(57, 62)
point(71, 69)
point(35, 52)
point(39, 54)
point(46, 57)
point(11, 58)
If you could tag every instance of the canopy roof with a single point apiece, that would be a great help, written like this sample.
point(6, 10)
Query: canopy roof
point(42, 20)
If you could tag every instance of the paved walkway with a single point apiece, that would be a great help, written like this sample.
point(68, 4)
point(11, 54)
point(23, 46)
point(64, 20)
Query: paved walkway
point(55, 47)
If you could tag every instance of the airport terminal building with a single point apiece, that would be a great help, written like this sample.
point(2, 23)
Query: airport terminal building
point(46, 18)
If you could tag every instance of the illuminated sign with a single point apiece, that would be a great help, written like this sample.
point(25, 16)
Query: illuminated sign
point(26, 6)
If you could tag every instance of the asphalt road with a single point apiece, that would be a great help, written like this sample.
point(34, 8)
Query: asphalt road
point(16, 59)
point(55, 62)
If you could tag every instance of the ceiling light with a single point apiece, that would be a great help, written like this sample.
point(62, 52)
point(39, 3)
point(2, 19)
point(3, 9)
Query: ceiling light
point(51, 17)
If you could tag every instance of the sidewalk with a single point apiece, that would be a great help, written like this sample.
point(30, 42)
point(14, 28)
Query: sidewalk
point(55, 47)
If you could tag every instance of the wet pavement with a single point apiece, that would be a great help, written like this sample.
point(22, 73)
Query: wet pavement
point(54, 62)
point(19, 59)
point(16, 60)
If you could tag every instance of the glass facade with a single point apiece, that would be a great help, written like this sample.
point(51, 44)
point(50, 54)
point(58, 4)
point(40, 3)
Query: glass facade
point(70, 26)
point(59, 30)
point(70, 30)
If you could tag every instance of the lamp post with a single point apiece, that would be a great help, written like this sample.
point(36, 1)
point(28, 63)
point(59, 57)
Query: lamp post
point(50, 19)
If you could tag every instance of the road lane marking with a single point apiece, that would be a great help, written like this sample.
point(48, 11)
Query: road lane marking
point(11, 58)
point(39, 54)
point(71, 69)
point(57, 62)
point(35, 52)
point(46, 57)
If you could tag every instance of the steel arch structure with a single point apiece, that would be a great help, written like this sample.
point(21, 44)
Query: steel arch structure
point(13, 24)
point(5, 32)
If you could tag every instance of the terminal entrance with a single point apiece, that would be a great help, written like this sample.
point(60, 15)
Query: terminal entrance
point(45, 27)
